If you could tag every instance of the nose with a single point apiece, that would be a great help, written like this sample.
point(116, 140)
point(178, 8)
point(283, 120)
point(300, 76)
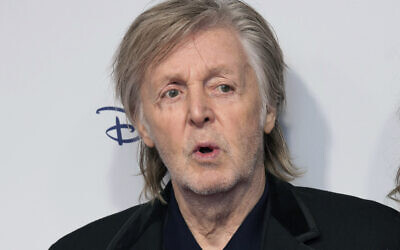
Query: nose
point(200, 112)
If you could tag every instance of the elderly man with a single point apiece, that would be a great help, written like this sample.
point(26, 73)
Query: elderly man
point(202, 81)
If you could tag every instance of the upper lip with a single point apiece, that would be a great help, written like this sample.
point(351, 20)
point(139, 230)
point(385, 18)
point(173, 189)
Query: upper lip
point(205, 145)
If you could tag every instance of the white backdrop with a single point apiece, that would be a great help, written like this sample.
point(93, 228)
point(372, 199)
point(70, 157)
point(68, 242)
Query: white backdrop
point(59, 170)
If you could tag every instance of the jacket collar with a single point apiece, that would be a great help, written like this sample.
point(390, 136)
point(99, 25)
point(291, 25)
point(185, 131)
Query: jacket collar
point(288, 223)
point(144, 228)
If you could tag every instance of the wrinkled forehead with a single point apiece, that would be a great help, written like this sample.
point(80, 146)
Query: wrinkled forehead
point(221, 44)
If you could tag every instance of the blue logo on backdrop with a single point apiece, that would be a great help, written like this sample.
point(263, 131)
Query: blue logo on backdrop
point(118, 127)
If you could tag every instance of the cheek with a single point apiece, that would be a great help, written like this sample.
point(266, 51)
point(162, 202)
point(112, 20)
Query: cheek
point(166, 127)
point(243, 125)
point(245, 117)
point(168, 141)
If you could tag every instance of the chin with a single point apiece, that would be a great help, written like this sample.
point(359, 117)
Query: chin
point(210, 185)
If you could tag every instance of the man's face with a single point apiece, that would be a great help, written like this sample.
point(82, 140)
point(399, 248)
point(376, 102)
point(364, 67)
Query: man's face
point(202, 109)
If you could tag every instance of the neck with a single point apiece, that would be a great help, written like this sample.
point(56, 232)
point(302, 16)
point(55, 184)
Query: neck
point(213, 219)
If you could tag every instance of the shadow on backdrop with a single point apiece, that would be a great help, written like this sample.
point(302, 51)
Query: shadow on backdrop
point(307, 133)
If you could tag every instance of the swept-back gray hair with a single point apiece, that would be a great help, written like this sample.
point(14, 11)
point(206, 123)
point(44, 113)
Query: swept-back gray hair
point(157, 31)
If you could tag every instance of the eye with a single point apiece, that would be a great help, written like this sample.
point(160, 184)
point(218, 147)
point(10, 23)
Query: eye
point(225, 88)
point(171, 93)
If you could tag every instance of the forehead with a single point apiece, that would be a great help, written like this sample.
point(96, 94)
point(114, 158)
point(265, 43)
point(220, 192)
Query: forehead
point(213, 49)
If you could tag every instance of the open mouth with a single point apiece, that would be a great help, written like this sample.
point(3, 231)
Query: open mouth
point(206, 150)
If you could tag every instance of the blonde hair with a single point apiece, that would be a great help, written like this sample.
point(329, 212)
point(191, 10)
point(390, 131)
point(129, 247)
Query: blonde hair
point(395, 193)
point(157, 31)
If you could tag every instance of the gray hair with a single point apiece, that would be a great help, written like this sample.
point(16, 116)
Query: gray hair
point(157, 31)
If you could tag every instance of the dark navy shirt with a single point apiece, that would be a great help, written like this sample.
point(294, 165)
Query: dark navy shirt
point(177, 234)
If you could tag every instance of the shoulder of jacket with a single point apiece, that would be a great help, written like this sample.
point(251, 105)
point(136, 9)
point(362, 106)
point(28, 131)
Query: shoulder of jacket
point(343, 215)
point(343, 203)
point(97, 234)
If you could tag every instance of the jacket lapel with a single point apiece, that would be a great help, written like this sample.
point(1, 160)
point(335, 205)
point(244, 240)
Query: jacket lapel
point(288, 223)
point(144, 229)
point(279, 238)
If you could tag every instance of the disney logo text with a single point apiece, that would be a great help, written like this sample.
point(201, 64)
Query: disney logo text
point(118, 127)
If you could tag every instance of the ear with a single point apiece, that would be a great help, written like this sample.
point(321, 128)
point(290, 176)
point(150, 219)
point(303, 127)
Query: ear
point(270, 120)
point(144, 133)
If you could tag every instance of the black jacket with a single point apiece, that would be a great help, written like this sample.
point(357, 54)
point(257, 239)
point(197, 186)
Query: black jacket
point(295, 218)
